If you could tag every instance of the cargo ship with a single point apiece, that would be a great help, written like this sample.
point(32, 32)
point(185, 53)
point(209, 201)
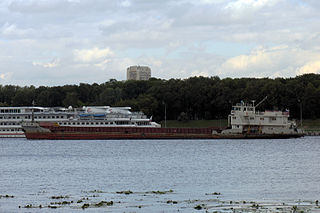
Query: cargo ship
point(243, 122)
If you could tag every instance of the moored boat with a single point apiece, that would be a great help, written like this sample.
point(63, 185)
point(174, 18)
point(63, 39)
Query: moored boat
point(244, 120)
point(11, 118)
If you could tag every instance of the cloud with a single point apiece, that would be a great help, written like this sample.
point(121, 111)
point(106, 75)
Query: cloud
point(5, 76)
point(92, 55)
point(249, 4)
point(35, 6)
point(271, 62)
point(176, 38)
point(52, 64)
point(257, 58)
point(310, 67)
point(11, 30)
point(199, 73)
point(126, 3)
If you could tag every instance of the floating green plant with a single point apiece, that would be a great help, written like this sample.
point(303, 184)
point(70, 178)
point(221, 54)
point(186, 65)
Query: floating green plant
point(6, 196)
point(28, 206)
point(198, 207)
point(161, 192)
point(59, 197)
point(86, 205)
point(214, 193)
point(125, 192)
point(104, 203)
point(294, 208)
point(62, 203)
point(96, 191)
point(255, 206)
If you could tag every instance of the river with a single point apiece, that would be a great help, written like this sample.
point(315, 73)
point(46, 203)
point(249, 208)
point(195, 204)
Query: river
point(155, 175)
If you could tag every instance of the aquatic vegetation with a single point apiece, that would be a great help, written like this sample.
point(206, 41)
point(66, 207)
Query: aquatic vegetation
point(104, 203)
point(198, 207)
point(96, 191)
point(255, 206)
point(172, 201)
point(86, 205)
point(160, 192)
point(125, 192)
point(6, 196)
point(214, 193)
point(28, 206)
point(62, 203)
point(211, 204)
point(59, 197)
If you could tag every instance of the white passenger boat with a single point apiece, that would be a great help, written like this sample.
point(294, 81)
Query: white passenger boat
point(11, 118)
point(91, 116)
point(106, 116)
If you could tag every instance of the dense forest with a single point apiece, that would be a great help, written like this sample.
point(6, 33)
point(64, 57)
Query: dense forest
point(184, 99)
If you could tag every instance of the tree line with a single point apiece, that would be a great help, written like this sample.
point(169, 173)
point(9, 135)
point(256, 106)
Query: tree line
point(183, 99)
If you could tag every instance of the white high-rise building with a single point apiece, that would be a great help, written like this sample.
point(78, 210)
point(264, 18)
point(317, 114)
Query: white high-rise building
point(138, 73)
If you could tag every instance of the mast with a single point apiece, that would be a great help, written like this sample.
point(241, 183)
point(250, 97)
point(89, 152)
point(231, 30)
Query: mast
point(32, 117)
point(265, 98)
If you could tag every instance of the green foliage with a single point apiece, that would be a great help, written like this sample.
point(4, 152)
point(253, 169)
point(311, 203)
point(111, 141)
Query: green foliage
point(195, 98)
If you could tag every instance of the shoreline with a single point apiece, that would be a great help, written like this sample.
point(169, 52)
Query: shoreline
point(160, 200)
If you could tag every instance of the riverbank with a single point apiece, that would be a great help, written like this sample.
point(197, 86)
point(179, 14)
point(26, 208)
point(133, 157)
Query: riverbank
point(130, 201)
point(311, 126)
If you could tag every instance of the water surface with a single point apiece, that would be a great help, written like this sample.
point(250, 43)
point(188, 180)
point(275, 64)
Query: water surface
point(184, 170)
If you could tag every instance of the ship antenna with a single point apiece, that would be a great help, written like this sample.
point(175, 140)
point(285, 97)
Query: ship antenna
point(32, 118)
point(265, 98)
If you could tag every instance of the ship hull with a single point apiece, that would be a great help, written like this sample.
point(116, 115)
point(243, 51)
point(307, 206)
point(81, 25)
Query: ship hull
point(112, 133)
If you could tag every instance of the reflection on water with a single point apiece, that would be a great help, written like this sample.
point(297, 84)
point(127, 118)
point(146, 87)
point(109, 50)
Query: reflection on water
point(158, 175)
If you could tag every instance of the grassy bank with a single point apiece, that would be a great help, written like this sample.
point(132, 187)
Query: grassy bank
point(308, 125)
point(196, 123)
point(311, 124)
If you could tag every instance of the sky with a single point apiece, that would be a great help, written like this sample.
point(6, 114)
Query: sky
point(59, 42)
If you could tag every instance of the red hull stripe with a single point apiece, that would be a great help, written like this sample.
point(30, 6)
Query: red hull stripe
point(92, 136)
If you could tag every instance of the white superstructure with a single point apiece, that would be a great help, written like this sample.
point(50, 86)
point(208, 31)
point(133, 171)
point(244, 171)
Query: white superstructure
point(244, 119)
point(106, 116)
point(12, 117)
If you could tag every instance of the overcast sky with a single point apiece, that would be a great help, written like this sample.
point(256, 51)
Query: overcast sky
point(58, 42)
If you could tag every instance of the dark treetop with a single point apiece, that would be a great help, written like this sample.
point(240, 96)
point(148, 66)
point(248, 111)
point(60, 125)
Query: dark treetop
point(192, 98)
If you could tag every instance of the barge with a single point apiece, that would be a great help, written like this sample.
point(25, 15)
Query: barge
point(244, 122)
